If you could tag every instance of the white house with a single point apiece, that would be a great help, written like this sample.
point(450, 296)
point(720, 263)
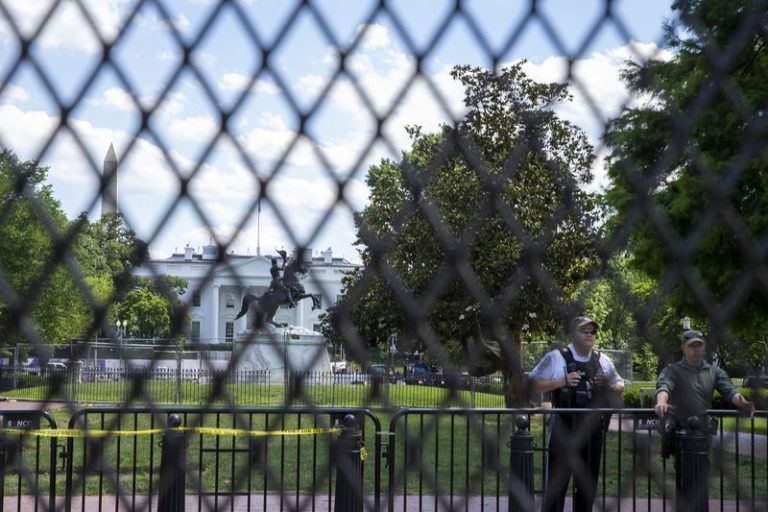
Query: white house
point(216, 290)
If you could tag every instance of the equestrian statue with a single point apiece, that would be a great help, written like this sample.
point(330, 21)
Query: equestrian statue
point(286, 290)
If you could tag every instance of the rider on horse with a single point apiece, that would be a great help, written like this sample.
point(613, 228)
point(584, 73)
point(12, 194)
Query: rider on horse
point(277, 284)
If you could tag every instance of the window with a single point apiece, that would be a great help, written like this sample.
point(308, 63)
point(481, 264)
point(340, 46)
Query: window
point(319, 297)
point(194, 334)
point(229, 331)
point(196, 299)
point(338, 298)
point(230, 298)
point(316, 328)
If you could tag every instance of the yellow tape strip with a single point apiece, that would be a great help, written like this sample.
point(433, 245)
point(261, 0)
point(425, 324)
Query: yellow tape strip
point(156, 431)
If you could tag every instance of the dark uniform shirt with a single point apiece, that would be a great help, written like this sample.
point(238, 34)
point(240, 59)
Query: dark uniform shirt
point(690, 388)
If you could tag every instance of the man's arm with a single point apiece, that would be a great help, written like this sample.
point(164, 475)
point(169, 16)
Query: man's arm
point(546, 385)
point(662, 403)
point(664, 386)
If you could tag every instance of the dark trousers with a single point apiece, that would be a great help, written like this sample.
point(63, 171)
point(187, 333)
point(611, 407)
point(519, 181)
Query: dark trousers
point(575, 449)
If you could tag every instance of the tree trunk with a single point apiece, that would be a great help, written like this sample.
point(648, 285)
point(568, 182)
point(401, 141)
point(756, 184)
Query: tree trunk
point(514, 381)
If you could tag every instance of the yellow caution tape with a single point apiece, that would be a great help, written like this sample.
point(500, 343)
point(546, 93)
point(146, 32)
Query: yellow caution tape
point(211, 431)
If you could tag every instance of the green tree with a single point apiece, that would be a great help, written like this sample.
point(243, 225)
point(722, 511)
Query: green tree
point(613, 300)
point(694, 147)
point(169, 289)
point(146, 313)
point(481, 231)
point(33, 233)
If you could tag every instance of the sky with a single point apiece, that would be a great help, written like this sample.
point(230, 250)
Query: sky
point(268, 99)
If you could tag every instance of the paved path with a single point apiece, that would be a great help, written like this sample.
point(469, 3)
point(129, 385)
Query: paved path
point(729, 441)
point(323, 504)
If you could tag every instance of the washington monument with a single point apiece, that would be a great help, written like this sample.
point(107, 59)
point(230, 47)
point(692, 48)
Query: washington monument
point(109, 196)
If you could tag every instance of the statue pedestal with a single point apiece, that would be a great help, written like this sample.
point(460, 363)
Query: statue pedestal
point(265, 353)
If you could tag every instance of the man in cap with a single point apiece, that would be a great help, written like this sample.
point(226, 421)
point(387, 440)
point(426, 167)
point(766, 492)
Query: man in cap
point(684, 390)
point(578, 376)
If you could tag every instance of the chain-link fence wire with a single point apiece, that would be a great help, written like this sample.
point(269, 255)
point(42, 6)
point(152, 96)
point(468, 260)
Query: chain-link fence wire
point(532, 273)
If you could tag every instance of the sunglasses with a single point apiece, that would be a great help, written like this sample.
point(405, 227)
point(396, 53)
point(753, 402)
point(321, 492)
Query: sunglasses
point(588, 332)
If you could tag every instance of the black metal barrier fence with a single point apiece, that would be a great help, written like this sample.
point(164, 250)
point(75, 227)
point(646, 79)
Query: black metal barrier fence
point(177, 459)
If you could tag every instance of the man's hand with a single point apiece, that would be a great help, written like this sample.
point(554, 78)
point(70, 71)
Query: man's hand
point(600, 380)
point(661, 409)
point(744, 404)
point(573, 379)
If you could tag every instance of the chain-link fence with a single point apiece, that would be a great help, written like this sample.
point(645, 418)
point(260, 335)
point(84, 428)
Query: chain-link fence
point(491, 201)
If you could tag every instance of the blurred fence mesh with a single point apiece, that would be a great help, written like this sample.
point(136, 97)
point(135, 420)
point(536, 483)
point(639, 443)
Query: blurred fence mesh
point(493, 233)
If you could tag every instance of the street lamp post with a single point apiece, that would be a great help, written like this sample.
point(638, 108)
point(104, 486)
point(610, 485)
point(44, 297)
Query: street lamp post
point(392, 352)
point(122, 329)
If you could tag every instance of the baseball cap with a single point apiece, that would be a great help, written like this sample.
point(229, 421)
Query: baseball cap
point(692, 337)
point(580, 321)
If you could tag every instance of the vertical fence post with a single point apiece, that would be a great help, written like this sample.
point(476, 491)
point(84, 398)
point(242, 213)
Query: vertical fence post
point(693, 468)
point(349, 468)
point(2, 470)
point(173, 461)
point(521, 467)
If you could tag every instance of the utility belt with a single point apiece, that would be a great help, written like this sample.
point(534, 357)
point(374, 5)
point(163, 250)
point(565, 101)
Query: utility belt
point(580, 397)
point(672, 428)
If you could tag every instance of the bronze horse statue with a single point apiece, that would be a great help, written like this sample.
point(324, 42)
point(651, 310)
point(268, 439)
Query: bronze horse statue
point(265, 306)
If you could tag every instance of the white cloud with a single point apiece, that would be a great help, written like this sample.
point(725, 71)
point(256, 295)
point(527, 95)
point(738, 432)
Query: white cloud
point(115, 97)
point(195, 128)
point(67, 29)
point(237, 82)
point(15, 94)
point(376, 36)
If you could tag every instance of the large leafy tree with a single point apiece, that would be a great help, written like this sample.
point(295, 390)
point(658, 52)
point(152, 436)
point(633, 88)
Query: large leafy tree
point(39, 287)
point(146, 313)
point(481, 231)
point(696, 147)
point(63, 275)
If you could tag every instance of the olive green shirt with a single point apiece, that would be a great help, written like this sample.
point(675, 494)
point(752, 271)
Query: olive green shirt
point(690, 388)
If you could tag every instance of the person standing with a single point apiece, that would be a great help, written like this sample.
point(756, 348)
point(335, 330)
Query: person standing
point(684, 389)
point(578, 376)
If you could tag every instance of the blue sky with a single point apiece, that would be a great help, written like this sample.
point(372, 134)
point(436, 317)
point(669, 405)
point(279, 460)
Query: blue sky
point(339, 136)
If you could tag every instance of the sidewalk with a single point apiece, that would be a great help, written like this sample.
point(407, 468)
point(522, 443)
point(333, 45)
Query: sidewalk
point(323, 504)
point(730, 440)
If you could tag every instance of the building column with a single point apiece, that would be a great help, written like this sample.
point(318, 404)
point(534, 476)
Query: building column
point(216, 299)
point(300, 313)
point(242, 323)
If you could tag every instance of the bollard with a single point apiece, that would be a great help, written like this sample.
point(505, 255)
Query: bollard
point(349, 468)
point(173, 461)
point(521, 467)
point(693, 469)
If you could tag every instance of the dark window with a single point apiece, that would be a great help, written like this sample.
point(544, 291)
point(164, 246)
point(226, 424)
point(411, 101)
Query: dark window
point(229, 331)
point(194, 334)
point(230, 298)
point(196, 299)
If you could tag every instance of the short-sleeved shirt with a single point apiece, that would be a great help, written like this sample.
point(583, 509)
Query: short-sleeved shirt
point(690, 388)
point(552, 366)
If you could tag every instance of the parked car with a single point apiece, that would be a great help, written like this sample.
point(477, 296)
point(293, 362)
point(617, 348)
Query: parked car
point(55, 368)
point(755, 381)
point(424, 374)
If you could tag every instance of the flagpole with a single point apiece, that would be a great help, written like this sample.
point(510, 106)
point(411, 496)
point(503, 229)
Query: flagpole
point(258, 228)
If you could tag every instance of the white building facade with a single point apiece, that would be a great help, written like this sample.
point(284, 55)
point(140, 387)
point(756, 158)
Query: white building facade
point(216, 289)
